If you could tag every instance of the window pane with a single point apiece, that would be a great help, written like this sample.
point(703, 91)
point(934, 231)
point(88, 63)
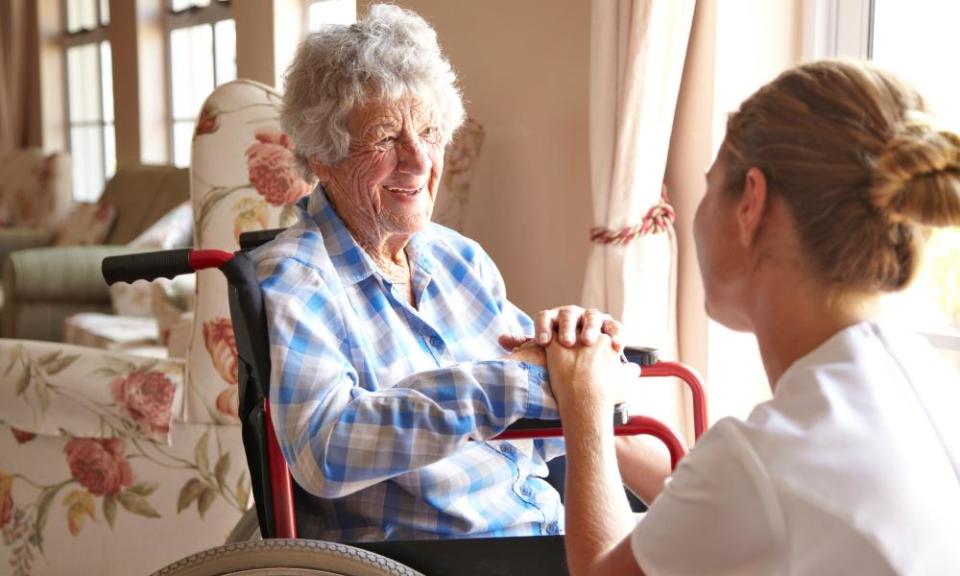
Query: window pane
point(106, 81)
point(226, 51)
point(109, 150)
point(180, 5)
point(104, 12)
point(81, 14)
point(83, 83)
point(912, 40)
point(331, 12)
point(87, 151)
point(191, 69)
point(182, 137)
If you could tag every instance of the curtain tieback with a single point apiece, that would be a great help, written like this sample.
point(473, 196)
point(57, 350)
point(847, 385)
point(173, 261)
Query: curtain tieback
point(656, 220)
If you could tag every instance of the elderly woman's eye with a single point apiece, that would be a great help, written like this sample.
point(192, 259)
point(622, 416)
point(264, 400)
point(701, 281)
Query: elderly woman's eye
point(387, 141)
point(430, 133)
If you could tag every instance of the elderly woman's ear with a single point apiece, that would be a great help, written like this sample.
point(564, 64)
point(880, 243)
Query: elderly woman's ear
point(319, 169)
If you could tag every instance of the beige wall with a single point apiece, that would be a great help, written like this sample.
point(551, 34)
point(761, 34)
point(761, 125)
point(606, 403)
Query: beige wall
point(524, 68)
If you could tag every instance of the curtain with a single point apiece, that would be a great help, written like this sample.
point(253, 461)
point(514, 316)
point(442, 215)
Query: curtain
point(638, 49)
point(13, 84)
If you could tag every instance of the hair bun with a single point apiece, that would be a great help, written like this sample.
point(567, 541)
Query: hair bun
point(917, 176)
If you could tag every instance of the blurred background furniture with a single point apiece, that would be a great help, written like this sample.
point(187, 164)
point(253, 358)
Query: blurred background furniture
point(35, 196)
point(44, 285)
point(110, 459)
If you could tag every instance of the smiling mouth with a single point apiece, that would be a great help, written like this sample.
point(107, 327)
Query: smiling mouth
point(404, 191)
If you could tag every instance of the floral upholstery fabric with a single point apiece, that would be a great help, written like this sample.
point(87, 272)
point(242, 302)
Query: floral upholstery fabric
point(137, 458)
point(35, 188)
point(60, 390)
point(244, 174)
point(116, 505)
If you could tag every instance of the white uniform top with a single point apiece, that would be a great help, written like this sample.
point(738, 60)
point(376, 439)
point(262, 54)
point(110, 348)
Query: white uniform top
point(852, 468)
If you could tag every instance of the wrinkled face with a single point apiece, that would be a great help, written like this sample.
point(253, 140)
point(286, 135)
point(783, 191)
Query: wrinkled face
point(724, 262)
point(388, 182)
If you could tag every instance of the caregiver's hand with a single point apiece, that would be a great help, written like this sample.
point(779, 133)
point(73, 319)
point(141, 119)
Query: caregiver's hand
point(589, 378)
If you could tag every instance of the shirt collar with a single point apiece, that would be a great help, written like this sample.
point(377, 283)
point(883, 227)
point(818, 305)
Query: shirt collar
point(351, 261)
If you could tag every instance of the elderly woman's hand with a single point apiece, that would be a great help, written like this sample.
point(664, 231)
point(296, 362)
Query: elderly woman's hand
point(526, 350)
point(567, 321)
point(590, 377)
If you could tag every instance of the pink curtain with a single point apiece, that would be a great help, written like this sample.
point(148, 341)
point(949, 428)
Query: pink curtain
point(13, 74)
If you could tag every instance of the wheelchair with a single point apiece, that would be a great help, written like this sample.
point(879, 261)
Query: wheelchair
point(280, 551)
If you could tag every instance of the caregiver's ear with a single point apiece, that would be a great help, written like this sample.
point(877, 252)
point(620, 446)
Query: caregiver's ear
point(751, 205)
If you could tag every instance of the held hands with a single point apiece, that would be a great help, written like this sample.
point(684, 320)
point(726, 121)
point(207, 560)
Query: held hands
point(591, 378)
point(566, 322)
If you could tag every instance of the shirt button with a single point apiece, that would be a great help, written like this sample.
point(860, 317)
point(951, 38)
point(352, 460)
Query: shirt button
point(526, 492)
point(436, 342)
point(507, 449)
point(553, 529)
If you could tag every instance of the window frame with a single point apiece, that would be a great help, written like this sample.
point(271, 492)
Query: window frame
point(837, 28)
point(96, 36)
point(216, 11)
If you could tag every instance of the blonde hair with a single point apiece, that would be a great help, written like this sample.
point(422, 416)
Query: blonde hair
point(860, 164)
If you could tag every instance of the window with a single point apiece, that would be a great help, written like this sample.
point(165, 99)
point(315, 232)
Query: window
point(90, 121)
point(202, 54)
point(915, 41)
point(321, 12)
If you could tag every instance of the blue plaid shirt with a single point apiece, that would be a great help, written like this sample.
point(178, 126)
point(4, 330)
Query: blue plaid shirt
point(383, 410)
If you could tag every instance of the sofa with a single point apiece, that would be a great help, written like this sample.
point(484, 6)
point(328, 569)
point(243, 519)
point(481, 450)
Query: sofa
point(43, 284)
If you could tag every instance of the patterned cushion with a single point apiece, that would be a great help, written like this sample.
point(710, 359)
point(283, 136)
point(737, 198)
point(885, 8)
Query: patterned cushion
point(243, 172)
point(173, 230)
point(87, 225)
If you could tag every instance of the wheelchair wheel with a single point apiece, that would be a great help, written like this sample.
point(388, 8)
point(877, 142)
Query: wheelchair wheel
point(247, 529)
point(286, 558)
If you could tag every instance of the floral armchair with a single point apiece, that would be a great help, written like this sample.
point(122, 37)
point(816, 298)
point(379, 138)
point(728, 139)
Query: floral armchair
point(35, 195)
point(113, 463)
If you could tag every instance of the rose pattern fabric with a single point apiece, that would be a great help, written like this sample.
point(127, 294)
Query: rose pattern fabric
point(228, 401)
point(22, 436)
point(272, 167)
point(251, 216)
point(6, 499)
point(222, 346)
point(99, 465)
point(209, 121)
point(147, 397)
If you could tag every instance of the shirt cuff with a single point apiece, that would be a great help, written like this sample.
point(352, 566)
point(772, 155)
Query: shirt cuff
point(540, 402)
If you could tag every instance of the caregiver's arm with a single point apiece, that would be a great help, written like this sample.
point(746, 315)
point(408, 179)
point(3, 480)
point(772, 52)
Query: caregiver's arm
point(598, 517)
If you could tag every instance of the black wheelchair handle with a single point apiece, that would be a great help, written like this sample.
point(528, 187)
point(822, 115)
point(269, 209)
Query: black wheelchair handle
point(146, 266)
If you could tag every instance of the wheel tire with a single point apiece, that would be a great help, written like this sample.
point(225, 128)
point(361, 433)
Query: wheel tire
point(286, 557)
point(247, 529)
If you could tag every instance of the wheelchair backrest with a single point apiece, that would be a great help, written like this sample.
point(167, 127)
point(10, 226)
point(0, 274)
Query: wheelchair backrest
point(248, 313)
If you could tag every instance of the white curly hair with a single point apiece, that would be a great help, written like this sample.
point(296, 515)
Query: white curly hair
point(390, 55)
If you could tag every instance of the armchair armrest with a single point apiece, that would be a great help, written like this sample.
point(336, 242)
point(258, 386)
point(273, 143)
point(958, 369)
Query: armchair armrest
point(59, 273)
point(42, 286)
point(13, 239)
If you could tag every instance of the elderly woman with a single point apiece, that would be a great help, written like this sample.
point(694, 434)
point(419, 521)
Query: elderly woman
point(385, 329)
point(817, 204)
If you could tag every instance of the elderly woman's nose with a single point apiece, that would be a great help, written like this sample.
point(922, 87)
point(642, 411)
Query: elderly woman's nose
point(412, 156)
